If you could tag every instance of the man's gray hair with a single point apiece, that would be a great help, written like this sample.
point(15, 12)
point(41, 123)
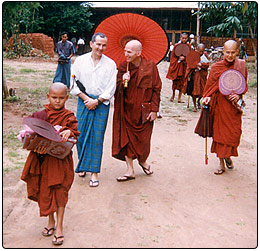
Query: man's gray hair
point(100, 34)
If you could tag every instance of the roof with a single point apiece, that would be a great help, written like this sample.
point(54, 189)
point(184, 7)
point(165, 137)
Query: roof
point(145, 5)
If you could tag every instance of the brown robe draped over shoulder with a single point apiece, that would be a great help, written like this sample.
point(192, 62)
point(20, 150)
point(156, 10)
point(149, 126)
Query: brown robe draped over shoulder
point(199, 79)
point(48, 178)
point(176, 71)
point(131, 138)
point(227, 119)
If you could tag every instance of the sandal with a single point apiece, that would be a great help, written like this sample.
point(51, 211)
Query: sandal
point(219, 171)
point(92, 182)
point(48, 231)
point(229, 164)
point(82, 174)
point(147, 171)
point(124, 178)
point(56, 242)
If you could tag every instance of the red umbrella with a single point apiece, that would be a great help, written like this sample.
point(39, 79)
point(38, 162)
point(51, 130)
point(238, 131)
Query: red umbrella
point(121, 28)
point(204, 127)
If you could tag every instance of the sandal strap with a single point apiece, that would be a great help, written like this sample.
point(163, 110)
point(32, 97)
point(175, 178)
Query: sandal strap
point(58, 237)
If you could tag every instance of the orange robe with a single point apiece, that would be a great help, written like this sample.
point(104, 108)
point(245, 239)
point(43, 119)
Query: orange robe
point(131, 138)
point(227, 119)
point(176, 71)
point(199, 78)
point(48, 178)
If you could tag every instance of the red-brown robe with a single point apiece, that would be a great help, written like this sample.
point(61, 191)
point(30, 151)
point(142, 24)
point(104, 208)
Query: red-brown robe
point(199, 78)
point(48, 178)
point(227, 119)
point(176, 71)
point(131, 138)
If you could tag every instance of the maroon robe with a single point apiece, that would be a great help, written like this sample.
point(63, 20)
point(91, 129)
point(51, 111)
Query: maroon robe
point(131, 138)
point(176, 71)
point(48, 178)
point(199, 78)
point(227, 119)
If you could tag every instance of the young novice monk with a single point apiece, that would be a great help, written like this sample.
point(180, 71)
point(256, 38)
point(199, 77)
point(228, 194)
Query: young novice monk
point(49, 178)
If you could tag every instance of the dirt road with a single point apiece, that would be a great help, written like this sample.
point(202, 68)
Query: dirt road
point(182, 205)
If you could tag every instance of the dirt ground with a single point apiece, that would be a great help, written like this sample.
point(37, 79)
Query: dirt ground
point(182, 205)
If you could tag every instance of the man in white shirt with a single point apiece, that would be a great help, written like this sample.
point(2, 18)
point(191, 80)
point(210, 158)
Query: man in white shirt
point(97, 74)
point(81, 45)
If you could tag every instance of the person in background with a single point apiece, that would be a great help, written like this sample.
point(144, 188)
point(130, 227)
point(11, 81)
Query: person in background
point(65, 51)
point(177, 69)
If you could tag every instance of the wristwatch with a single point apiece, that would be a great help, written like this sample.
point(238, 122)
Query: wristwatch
point(99, 102)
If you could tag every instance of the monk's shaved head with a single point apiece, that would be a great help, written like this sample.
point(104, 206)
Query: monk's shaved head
point(135, 45)
point(58, 86)
point(231, 44)
point(201, 46)
point(230, 50)
point(201, 49)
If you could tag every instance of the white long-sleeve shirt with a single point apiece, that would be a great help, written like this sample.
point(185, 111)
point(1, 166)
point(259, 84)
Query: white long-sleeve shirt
point(99, 80)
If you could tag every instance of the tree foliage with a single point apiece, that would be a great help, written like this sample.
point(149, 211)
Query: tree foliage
point(17, 16)
point(225, 17)
point(56, 17)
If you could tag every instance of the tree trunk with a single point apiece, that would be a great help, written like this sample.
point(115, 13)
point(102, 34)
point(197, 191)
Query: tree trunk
point(253, 44)
point(5, 88)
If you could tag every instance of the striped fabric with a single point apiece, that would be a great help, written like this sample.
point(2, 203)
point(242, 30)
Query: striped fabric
point(92, 126)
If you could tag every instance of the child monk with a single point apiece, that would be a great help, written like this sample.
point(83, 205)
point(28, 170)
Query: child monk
point(49, 178)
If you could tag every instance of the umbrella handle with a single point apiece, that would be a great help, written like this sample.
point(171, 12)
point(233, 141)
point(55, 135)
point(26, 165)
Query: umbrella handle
point(188, 105)
point(206, 155)
point(126, 81)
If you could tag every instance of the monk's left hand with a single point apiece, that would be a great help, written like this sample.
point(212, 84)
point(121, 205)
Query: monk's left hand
point(233, 97)
point(152, 116)
point(65, 135)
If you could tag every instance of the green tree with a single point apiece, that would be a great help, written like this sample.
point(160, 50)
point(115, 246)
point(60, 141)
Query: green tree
point(230, 17)
point(55, 17)
point(17, 15)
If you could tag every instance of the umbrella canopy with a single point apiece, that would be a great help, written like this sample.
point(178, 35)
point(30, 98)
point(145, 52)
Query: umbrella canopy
point(232, 81)
point(121, 28)
point(204, 125)
point(42, 128)
point(192, 59)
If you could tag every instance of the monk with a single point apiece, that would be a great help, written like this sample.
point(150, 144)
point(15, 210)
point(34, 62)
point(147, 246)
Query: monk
point(198, 77)
point(226, 117)
point(48, 178)
point(177, 69)
point(140, 99)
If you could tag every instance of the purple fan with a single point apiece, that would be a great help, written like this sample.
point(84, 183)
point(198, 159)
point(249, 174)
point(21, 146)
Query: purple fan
point(232, 81)
point(42, 128)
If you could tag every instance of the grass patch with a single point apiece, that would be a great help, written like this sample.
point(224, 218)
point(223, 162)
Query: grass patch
point(26, 70)
point(10, 140)
point(252, 83)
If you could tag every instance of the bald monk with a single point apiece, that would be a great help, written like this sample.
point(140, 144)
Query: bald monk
point(226, 117)
point(131, 137)
point(198, 76)
point(49, 178)
point(177, 69)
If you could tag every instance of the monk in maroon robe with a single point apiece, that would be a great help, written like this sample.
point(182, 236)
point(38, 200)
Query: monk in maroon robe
point(227, 119)
point(49, 178)
point(198, 77)
point(177, 69)
point(140, 100)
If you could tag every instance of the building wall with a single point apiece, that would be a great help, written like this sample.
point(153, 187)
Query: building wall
point(39, 41)
point(219, 41)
